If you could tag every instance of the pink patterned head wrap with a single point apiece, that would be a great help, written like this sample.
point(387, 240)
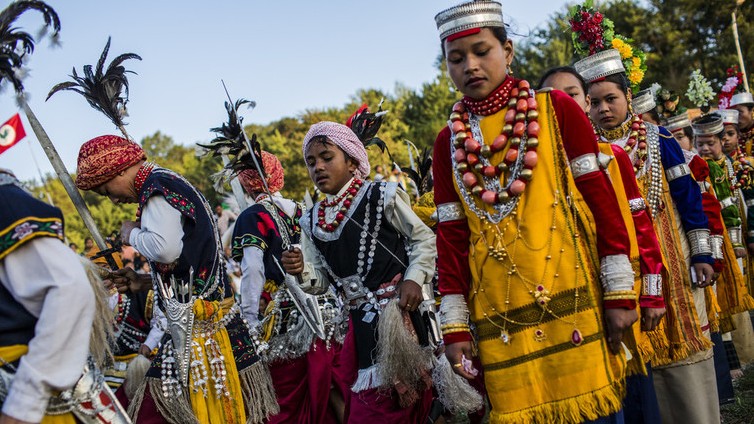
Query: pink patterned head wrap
point(251, 181)
point(343, 137)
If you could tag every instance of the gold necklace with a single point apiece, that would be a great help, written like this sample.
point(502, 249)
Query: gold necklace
point(616, 133)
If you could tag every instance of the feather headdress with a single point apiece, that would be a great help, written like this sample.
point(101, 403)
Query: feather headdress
point(106, 90)
point(366, 124)
point(15, 45)
point(231, 141)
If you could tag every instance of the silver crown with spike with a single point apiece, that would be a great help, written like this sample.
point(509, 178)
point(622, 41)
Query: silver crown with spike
point(600, 65)
point(677, 122)
point(730, 116)
point(465, 16)
point(741, 99)
point(643, 102)
point(712, 127)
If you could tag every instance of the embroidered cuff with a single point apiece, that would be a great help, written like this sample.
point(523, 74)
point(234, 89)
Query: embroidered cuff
point(619, 304)
point(652, 302)
point(727, 202)
point(716, 243)
point(736, 236)
point(637, 205)
point(699, 242)
point(451, 211)
point(651, 285)
point(616, 274)
point(677, 172)
point(584, 164)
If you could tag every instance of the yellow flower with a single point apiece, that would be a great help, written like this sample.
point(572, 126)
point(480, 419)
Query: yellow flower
point(625, 50)
point(636, 76)
point(635, 62)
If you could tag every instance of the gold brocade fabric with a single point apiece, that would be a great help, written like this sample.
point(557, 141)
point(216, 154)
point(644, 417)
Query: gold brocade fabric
point(15, 352)
point(540, 375)
point(732, 291)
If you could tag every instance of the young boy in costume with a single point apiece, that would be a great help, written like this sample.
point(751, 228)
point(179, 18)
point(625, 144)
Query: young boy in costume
point(365, 239)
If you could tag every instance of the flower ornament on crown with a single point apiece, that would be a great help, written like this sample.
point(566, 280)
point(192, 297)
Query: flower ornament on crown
point(593, 33)
point(733, 84)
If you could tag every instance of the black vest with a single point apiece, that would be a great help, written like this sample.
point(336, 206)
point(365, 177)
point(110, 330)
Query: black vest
point(22, 218)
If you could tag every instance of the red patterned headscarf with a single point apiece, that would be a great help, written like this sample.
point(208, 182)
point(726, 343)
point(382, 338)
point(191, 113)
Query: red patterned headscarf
point(104, 157)
point(251, 181)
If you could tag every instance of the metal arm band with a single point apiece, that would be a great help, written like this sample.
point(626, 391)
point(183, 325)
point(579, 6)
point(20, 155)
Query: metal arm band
point(616, 273)
point(716, 242)
point(637, 204)
point(677, 171)
point(651, 285)
point(736, 236)
point(727, 202)
point(703, 186)
point(750, 233)
point(584, 164)
point(750, 202)
point(699, 242)
point(452, 211)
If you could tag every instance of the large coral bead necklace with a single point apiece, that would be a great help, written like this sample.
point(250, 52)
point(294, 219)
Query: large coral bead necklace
point(520, 120)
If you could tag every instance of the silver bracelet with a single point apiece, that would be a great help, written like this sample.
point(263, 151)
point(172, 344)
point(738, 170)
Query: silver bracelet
point(453, 310)
point(727, 202)
point(651, 285)
point(584, 164)
point(451, 211)
point(677, 172)
point(699, 242)
point(637, 204)
point(736, 236)
point(716, 242)
point(616, 273)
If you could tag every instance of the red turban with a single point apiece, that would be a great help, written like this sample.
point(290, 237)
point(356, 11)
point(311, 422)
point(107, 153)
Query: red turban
point(102, 158)
point(251, 181)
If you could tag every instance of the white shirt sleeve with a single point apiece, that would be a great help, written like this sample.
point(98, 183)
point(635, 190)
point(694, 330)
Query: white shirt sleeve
point(421, 260)
point(252, 283)
point(160, 237)
point(47, 278)
point(158, 325)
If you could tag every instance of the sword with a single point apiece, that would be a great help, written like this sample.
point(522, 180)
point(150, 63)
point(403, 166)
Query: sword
point(306, 304)
point(65, 178)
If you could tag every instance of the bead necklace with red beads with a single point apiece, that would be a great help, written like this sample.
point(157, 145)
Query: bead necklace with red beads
point(520, 131)
point(346, 197)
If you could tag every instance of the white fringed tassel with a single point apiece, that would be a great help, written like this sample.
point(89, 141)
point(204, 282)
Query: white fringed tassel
point(453, 391)
point(368, 378)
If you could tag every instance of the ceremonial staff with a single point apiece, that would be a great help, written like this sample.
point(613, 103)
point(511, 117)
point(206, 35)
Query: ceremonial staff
point(738, 45)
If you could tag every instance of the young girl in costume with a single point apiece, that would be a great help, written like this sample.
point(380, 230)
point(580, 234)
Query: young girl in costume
point(301, 364)
point(511, 257)
point(365, 239)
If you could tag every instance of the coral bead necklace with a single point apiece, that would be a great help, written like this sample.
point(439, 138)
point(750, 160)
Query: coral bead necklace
point(346, 198)
point(520, 134)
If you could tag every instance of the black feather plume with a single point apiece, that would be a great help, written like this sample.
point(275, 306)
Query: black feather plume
point(423, 174)
point(104, 89)
point(366, 125)
point(230, 141)
point(16, 44)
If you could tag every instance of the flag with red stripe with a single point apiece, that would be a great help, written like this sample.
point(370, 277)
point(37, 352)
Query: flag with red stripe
point(11, 132)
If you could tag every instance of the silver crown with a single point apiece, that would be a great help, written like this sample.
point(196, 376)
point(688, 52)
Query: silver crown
point(708, 128)
point(465, 16)
point(741, 99)
point(600, 65)
point(643, 102)
point(677, 122)
point(730, 116)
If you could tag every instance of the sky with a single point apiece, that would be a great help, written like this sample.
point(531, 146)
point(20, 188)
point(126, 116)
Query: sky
point(288, 56)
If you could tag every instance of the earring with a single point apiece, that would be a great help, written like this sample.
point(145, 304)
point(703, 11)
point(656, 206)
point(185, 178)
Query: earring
point(510, 70)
